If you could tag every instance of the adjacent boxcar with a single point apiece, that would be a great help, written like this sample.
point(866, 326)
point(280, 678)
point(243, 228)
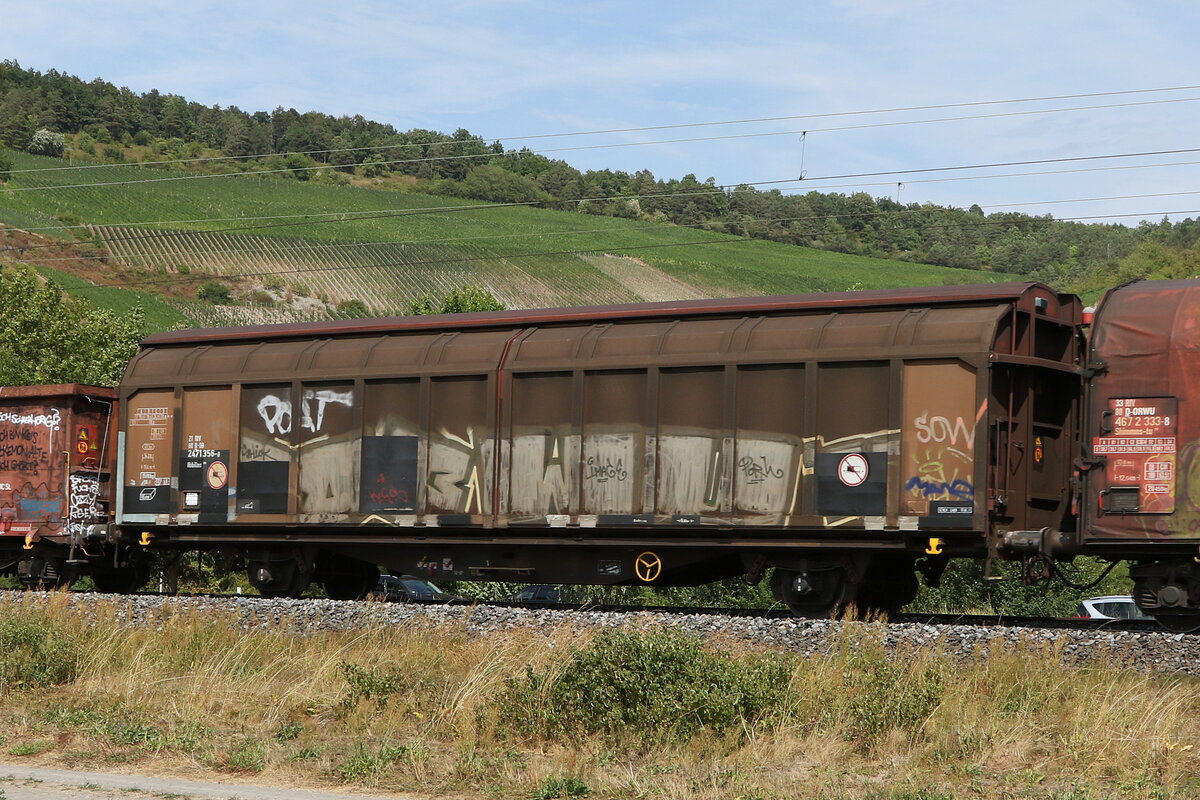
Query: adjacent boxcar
point(57, 446)
point(844, 439)
point(1140, 467)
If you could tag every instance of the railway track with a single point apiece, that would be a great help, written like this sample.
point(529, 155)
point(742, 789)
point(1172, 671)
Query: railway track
point(937, 620)
point(1069, 642)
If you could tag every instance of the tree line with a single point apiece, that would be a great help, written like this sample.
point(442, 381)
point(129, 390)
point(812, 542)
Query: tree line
point(110, 123)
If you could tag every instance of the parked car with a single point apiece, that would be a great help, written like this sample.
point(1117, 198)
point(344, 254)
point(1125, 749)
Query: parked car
point(1119, 606)
point(540, 593)
point(408, 589)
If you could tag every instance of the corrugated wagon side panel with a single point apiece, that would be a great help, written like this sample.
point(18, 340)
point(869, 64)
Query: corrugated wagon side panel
point(56, 456)
point(149, 477)
point(33, 489)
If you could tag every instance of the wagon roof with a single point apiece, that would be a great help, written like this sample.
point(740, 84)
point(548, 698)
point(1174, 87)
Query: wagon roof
point(56, 390)
point(828, 301)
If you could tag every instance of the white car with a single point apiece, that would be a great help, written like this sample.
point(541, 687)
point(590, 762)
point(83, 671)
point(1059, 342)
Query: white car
point(1117, 606)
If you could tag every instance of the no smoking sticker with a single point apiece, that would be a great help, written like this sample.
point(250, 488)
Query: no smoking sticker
point(853, 469)
point(217, 474)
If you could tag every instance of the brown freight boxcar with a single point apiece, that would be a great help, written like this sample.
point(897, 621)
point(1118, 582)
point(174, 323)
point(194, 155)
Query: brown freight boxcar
point(844, 439)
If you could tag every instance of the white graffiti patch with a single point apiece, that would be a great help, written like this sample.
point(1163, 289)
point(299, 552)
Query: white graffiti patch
point(276, 412)
point(50, 420)
point(323, 397)
point(85, 491)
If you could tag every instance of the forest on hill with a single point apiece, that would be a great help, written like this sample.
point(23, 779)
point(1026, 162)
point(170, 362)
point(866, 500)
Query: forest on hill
point(57, 114)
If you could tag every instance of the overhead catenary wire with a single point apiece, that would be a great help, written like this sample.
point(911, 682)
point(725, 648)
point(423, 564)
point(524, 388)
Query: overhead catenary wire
point(723, 189)
point(363, 215)
point(686, 125)
point(367, 215)
point(488, 155)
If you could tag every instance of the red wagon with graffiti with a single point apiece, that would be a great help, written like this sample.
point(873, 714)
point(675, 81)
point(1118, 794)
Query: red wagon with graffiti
point(57, 452)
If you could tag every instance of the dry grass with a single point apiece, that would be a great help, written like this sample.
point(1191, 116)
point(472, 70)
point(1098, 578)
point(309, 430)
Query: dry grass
point(432, 709)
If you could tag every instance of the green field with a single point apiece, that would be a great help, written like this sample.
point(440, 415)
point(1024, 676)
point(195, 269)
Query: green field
point(414, 244)
point(159, 314)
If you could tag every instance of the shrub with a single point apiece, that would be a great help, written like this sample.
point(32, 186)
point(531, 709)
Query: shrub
point(659, 687)
point(330, 177)
point(248, 755)
point(555, 788)
point(885, 694)
point(99, 133)
point(496, 185)
point(47, 143)
point(374, 166)
point(35, 651)
point(352, 309)
point(365, 762)
point(374, 683)
point(214, 292)
point(457, 301)
point(5, 166)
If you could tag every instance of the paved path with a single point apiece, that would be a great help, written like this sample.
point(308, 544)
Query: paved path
point(18, 782)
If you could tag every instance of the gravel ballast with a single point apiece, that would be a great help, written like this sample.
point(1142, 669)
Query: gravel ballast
point(1148, 651)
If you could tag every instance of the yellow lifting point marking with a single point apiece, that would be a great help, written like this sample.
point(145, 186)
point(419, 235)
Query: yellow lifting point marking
point(147, 537)
point(648, 566)
point(935, 546)
point(28, 542)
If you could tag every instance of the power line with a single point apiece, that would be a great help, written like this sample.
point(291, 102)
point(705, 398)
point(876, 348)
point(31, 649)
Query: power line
point(473, 156)
point(334, 217)
point(1001, 175)
point(309, 220)
point(756, 120)
point(998, 164)
point(317, 217)
point(861, 113)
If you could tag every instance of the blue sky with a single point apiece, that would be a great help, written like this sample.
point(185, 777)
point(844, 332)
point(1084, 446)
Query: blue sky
point(510, 69)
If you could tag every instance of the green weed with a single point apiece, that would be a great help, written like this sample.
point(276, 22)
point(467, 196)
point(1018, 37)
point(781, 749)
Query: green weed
point(30, 748)
point(248, 755)
point(36, 651)
point(555, 788)
point(364, 762)
point(657, 686)
point(288, 731)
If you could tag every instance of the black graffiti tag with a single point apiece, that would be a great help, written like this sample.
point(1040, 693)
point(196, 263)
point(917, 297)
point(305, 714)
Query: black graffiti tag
point(606, 471)
point(758, 469)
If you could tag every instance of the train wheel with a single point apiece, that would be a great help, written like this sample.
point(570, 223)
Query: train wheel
point(890, 583)
point(125, 579)
point(820, 590)
point(281, 577)
point(346, 578)
point(44, 573)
